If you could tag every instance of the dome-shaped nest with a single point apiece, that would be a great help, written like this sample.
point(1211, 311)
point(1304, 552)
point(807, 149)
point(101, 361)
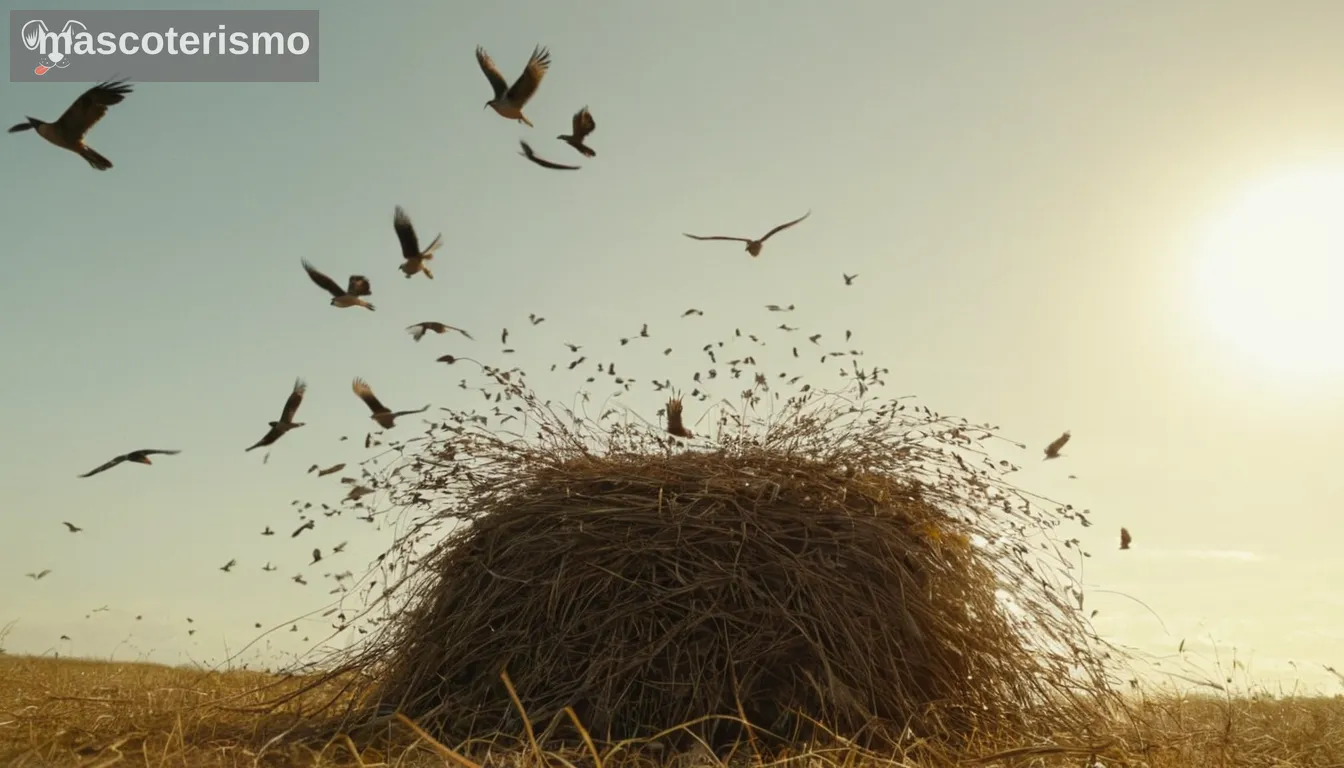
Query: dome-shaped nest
point(770, 579)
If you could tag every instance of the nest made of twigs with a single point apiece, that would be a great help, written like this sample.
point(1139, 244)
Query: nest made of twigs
point(784, 587)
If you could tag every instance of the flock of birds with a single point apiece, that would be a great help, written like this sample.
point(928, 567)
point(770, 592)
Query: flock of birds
point(508, 101)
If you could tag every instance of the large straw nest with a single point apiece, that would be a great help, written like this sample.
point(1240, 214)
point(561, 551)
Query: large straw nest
point(832, 564)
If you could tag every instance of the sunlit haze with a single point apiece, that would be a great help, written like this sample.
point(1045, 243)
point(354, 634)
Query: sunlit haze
point(1125, 220)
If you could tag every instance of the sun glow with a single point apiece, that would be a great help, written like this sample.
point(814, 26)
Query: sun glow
point(1271, 273)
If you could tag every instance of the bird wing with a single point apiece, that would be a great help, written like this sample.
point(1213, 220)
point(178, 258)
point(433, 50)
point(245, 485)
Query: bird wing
point(365, 393)
point(399, 414)
point(107, 466)
point(271, 436)
point(526, 84)
point(583, 124)
point(327, 284)
point(417, 331)
point(153, 451)
point(717, 237)
point(410, 244)
point(497, 81)
point(530, 155)
point(459, 330)
point(90, 107)
point(358, 285)
point(295, 398)
point(785, 226)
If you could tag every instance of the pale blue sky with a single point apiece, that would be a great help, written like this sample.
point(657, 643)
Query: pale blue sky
point(1022, 188)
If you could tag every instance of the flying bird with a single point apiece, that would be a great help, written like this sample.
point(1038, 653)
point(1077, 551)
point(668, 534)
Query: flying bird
point(510, 100)
point(139, 457)
point(39, 575)
point(413, 259)
point(357, 286)
point(286, 422)
point(418, 330)
point(674, 425)
point(1125, 538)
point(69, 130)
point(73, 528)
point(228, 566)
point(317, 555)
point(583, 125)
point(385, 418)
point(331, 469)
point(267, 531)
point(692, 311)
point(753, 246)
point(1052, 450)
point(543, 162)
point(308, 526)
point(849, 279)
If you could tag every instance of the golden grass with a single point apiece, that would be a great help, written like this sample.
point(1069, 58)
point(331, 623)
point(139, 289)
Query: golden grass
point(61, 712)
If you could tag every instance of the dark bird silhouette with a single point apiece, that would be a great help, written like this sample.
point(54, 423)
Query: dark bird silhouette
point(308, 526)
point(753, 246)
point(73, 528)
point(268, 567)
point(381, 414)
point(413, 259)
point(777, 308)
point(1125, 538)
point(317, 555)
point(349, 297)
point(39, 575)
point(510, 100)
point(544, 163)
point(139, 457)
point(331, 469)
point(583, 125)
point(267, 531)
point(69, 130)
point(339, 548)
point(1052, 450)
point(228, 566)
point(692, 311)
point(298, 579)
point(418, 330)
point(849, 279)
point(286, 422)
point(674, 423)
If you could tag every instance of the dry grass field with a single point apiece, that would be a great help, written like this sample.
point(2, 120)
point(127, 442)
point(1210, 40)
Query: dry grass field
point(64, 712)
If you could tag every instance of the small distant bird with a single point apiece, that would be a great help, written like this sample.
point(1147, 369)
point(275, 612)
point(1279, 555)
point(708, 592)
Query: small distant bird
point(1052, 450)
point(777, 308)
point(510, 100)
point(543, 162)
point(674, 425)
point(1125, 538)
point(573, 347)
point(692, 311)
point(298, 579)
point(267, 531)
point(753, 246)
point(73, 528)
point(385, 418)
point(268, 567)
point(139, 457)
point(317, 555)
point(69, 130)
point(308, 526)
point(849, 279)
point(413, 259)
point(39, 575)
point(418, 330)
point(535, 319)
point(331, 469)
point(228, 566)
point(339, 547)
point(357, 286)
point(583, 125)
point(504, 337)
point(286, 422)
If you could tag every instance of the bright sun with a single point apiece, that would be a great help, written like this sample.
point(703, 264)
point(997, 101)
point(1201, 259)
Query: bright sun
point(1271, 273)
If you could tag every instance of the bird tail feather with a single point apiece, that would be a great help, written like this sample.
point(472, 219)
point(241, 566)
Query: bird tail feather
point(96, 160)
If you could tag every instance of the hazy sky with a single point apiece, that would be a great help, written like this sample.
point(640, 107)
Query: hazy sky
point(1023, 188)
